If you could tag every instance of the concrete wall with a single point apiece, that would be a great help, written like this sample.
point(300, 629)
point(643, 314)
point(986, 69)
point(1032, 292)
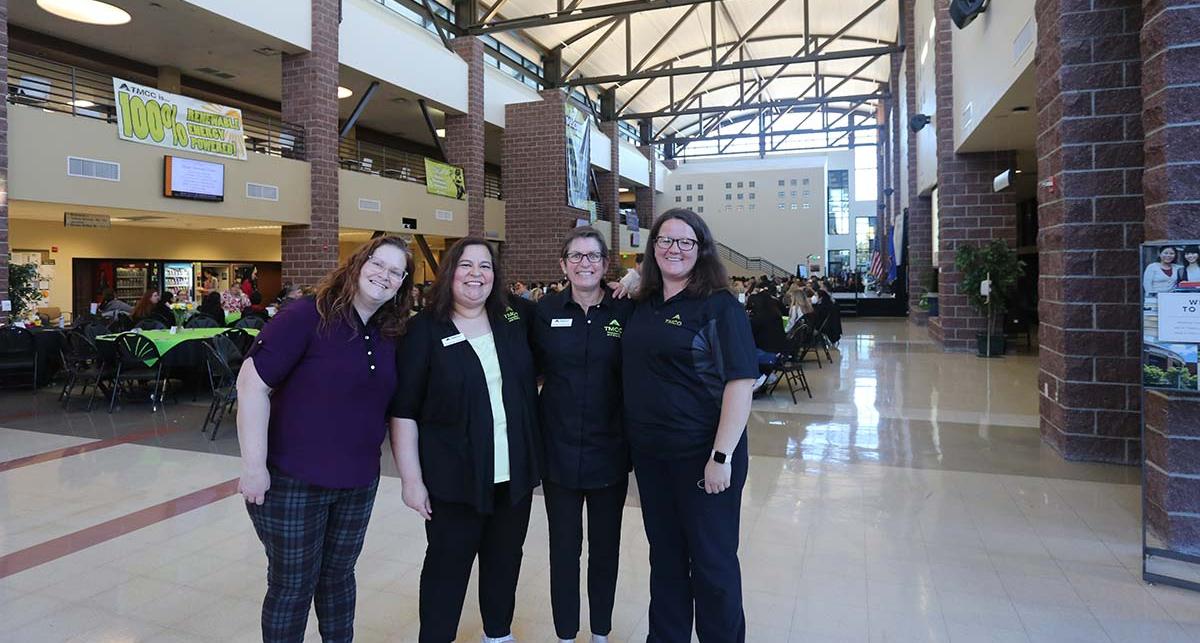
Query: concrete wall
point(989, 56)
point(926, 83)
point(288, 20)
point(500, 89)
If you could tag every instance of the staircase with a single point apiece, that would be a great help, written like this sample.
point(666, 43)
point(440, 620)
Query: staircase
point(754, 266)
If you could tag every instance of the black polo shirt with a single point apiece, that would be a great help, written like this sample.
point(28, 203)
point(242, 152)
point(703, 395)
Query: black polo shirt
point(677, 357)
point(580, 358)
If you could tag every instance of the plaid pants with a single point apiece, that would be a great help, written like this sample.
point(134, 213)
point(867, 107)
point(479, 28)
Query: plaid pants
point(313, 536)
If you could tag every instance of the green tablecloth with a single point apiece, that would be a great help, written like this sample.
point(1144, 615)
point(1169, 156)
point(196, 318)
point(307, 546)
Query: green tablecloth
point(165, 340)
point(232, 316)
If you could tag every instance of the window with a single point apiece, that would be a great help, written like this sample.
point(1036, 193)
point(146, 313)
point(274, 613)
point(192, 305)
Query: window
point(793, 194)
point(751, 206)
point(728, 196)
point(728, 208)
point(741, 209)
point(679, 199)
point(728, 185)
point(805, 181)
point(678, 187)
point(781, 206)
point(739, 184)
point(782, 194)
point(699, 186)
point(838, 202)
point(839, 262)
point(806, 206)
point(864, 242)
point(804, 193)
point(752, 184)
point(741, 196)
point(794, 206)
point(689, 198)
point(793, 181)
point(866, 162)
point(780, 182)
point(700, 209)
point(699, 197)
point(689, 187)
point(751, 196)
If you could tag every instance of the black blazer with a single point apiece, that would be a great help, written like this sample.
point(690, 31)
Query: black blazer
point(441, 386)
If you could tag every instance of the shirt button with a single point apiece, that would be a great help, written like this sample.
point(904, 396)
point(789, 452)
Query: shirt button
point(366, 337)
point(372, 367)
point(369, 353)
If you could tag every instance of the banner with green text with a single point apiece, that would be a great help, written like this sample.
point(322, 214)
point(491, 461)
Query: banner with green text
point(444, 179)
point(154, 117)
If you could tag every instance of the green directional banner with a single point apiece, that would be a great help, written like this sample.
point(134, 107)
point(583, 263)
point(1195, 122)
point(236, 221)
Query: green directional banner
point(154, 117)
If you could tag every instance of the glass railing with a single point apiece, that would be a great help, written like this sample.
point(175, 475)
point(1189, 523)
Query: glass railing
point(66, 89)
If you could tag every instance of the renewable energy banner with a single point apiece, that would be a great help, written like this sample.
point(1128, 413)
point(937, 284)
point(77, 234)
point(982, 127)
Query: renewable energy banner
point(154, 117)
point(444, 179)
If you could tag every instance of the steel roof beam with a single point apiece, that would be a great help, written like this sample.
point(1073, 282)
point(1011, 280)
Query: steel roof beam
point(572, 14)
point(787, 102)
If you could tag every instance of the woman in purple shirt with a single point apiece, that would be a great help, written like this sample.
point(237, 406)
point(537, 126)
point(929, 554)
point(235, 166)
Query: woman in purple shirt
point(313, 396)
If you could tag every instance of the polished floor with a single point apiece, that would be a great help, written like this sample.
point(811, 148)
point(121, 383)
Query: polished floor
point(910, 500)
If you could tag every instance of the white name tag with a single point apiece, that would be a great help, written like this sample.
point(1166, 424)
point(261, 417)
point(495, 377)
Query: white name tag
point(453, 339)
point(561, 323)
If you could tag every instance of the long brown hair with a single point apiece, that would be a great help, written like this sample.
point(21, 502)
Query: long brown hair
point(144, 306)
point(335, 293)
point(441, 294)
point(708, 275)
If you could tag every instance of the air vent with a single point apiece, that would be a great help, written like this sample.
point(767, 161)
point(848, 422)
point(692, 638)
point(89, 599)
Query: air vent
point(262, 191)
point(267, 51)
point(370, 205)
point(215, 72)
point(93, 169)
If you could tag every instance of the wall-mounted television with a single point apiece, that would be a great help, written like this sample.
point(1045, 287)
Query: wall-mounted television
point(191, 179)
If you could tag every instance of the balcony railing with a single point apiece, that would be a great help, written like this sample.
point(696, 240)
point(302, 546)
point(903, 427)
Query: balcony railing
point(390, 163)
point(57, 87)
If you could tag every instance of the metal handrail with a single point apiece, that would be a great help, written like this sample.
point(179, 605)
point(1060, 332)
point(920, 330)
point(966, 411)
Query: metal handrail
point(757, 264)
point(66, 89)
point(391, 163)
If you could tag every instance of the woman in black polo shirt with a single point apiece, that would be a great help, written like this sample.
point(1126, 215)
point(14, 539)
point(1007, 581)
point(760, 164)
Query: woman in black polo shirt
point(464, 434)
point(689, 364)
point(577, 347)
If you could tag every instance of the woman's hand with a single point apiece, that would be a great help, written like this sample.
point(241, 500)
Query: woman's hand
point(618, 290)
point(717, 476)
point(416, 497)
point(254, 484)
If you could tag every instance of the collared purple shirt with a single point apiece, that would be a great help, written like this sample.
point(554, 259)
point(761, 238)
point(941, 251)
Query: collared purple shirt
point(330, 393)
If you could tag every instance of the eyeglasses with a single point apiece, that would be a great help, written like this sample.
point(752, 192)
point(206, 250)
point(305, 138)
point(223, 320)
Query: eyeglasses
point(685, 244)
point(381, 268)
point(578, 257)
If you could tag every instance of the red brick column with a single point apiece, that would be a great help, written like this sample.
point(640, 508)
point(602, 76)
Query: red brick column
point(1090, 148)
point(920, 208)
point(465, 132)
point(895, 131)
point(644, 197)
point(608, 186)
point(1170, 48)
point(310, 82)
point(4, 249)
point(969, 211)
point(535, 187)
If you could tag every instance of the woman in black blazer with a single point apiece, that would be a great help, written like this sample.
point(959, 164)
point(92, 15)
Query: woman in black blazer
point(465, 436)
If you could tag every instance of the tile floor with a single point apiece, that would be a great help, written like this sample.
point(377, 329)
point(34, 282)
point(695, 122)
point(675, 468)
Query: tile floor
point(912, 500)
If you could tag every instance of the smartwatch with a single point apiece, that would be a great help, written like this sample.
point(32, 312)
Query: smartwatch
point(719, 458)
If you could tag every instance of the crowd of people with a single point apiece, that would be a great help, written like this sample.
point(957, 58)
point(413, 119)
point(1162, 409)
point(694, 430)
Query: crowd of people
point(659, 383)
point(155, 304)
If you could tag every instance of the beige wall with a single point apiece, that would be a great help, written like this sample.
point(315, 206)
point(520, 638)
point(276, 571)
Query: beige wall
point(926, 86)
point(989, 56)
point(40, 142)
point(398, 199)
point(130, 242)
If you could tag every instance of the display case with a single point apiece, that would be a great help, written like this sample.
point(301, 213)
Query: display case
point(131, 280)
point(178, 278)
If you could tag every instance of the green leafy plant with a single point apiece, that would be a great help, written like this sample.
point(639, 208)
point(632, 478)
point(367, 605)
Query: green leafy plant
point(1153, 375)
point(994, 260)
point(23, 288)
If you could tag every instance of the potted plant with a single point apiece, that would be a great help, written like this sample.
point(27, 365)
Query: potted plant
point(23, 289)
point(999, 263)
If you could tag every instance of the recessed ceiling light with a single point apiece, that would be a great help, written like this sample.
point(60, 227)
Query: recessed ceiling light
point(83, 103)
point(344, 92)
point(441, 133)
point(93, 12)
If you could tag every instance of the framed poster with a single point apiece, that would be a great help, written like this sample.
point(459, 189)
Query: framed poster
point(1170, 314)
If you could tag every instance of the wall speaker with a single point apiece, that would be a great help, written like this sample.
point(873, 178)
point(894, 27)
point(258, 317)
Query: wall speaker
point(964, 12)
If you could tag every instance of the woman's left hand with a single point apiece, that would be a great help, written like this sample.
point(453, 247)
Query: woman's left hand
point(717, 476)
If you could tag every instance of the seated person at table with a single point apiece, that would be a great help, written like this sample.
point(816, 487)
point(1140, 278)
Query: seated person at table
point(211, 306)
point(162, 310)
point(766, 324)
point(256, 306)
point(290, 292)
point(145, 305)
point(110, 305)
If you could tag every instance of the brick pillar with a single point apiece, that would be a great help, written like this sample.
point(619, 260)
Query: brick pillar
point(310, 82)
point(969, 211)
point(920, 208)
point(608, 186)
point(534, 173)
point(644, 197)
point(1090, 146)
point(4, 249)
point(465, 132)
point(1170, 47)
point(895, 132)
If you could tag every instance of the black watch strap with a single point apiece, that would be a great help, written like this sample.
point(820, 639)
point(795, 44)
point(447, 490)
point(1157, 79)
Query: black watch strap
point(719, 458)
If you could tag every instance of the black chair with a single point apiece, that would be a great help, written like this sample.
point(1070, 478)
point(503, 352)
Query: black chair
point(82, 362)
point(138, 360)
point(240, 338)
point(150, 323)
point(220, 353)
point(201, 320)
point(18, 352)
point(94, 329)
point(790, 365)
point(122, 323)
point(250, 321)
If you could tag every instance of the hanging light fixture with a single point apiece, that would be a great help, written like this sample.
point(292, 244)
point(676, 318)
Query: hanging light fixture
point(92, 12)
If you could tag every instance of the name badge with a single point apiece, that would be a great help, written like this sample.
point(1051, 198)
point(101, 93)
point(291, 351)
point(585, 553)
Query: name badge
point(561, 323)
point(453, 339)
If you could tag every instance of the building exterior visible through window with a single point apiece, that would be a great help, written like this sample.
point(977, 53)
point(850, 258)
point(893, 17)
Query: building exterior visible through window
point(838, 199)
point(864, 235)
point(839, 262)
point(866, 179)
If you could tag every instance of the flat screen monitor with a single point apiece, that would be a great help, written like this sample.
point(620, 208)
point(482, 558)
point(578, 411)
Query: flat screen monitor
point(191, 179)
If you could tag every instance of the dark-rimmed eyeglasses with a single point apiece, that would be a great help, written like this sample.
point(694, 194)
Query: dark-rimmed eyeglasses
point(578, 257)
point(685, 244)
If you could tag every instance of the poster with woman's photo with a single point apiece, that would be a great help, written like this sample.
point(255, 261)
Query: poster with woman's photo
point(1170, 314)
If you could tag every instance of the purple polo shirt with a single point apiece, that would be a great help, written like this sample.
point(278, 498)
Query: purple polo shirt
point(330, 395)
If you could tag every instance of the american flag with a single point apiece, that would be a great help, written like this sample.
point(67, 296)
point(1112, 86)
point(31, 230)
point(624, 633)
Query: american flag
point(877, 269)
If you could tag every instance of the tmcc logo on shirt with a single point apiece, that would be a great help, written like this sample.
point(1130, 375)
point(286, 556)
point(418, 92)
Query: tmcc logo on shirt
point(511, 316)
point(674, 321)
point(613, 329)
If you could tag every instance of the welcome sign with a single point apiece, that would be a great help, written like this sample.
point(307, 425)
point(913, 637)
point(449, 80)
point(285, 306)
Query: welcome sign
point(153, 117)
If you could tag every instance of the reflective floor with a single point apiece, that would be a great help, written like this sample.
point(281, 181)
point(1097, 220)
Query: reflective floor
point(910, 500)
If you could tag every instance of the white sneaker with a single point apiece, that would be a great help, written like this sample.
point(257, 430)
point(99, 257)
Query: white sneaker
point(508, 638)
point(596, 638)
point(762, 379)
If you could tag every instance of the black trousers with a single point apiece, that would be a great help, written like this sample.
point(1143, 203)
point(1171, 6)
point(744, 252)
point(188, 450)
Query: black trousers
point(457, 534)
point(313, 536)
point(693, 537)
point(564, 511)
